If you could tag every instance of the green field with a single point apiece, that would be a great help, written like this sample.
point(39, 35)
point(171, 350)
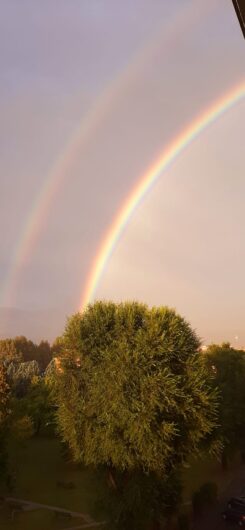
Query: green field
point(40, 466)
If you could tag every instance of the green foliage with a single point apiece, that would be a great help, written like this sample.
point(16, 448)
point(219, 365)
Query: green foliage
point(9, 352)
point(136, 499)
point(20, 349)
point(132, 392)
point(227, 366)
point(41, 353)
point(44, 354)
point(50, 373)
point(57, 346)
point(36, 405)
point(20, 376)
point(26, 348)
point(4, 420)
point(22, 428)
point(134, 397)
point(4, 393)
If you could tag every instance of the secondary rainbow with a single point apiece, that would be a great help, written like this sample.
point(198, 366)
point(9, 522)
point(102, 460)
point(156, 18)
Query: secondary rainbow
point(37, 216)
point(146, 182)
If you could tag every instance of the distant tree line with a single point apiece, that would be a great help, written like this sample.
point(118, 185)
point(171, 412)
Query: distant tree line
point(24, 350)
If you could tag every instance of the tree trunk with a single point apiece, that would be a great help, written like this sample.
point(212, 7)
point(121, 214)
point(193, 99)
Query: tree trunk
point(111, 479)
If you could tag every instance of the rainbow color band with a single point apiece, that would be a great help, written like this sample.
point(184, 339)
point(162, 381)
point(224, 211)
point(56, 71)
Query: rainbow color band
point(146, 182)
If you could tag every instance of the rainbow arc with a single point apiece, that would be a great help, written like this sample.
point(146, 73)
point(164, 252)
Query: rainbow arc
point(170, 153)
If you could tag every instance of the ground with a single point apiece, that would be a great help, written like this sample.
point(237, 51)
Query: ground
point(212, 520)
point(41, 468)
point(205, 470)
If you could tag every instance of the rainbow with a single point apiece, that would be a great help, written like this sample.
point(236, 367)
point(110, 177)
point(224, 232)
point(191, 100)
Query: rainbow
point(36, 219)
point(146, 182)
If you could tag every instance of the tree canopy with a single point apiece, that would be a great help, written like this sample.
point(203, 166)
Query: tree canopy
point(9, 352)
point(132, 391)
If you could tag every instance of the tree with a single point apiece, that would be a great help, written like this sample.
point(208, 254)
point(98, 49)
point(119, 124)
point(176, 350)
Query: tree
point(4, 394)
point(57, 346)
point(50, 373)
point(34, 352)
point(228, 368)
point(132, 392)
point(4, 413)
point(20, 376)
point(9, 352)
point(26, 348)
point(36, 405)
point(44, 354)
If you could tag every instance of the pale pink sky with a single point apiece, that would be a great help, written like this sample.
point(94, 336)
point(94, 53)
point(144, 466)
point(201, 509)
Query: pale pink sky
point(185, 245)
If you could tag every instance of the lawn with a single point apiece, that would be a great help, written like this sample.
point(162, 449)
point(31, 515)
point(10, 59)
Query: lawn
point(40, 467)
point(37, 520)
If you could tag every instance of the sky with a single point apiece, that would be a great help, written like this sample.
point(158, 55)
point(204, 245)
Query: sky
point(112, 83)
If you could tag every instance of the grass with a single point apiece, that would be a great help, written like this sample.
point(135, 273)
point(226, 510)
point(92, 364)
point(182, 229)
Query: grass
point(39, 467)
point(38, 520)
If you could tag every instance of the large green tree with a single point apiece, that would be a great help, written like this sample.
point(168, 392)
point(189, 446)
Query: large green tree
point(132, 391)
